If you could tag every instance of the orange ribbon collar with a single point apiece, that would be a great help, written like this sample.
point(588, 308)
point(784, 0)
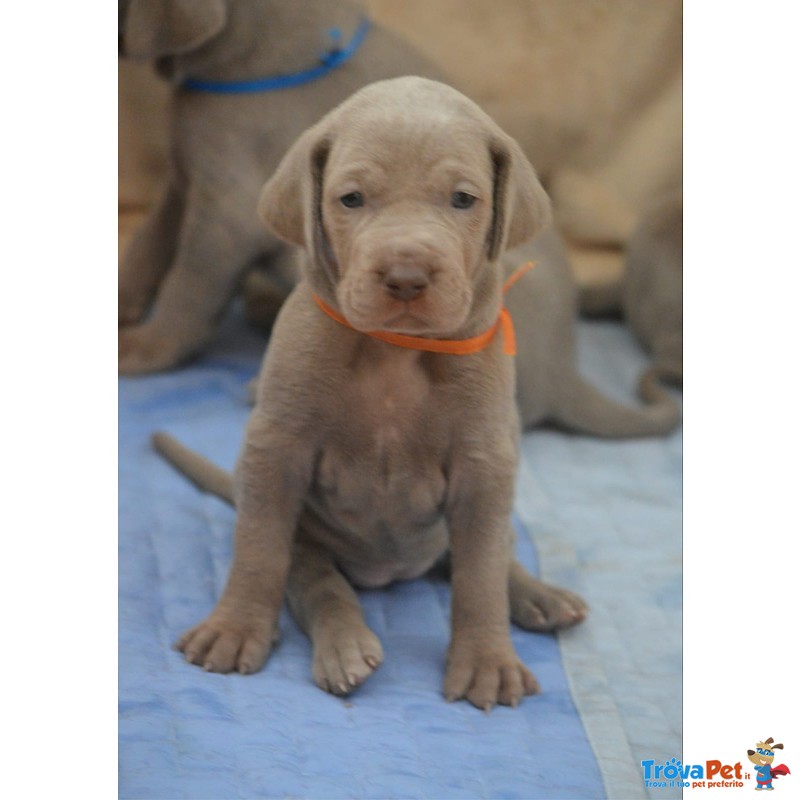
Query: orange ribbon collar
point(459, 347)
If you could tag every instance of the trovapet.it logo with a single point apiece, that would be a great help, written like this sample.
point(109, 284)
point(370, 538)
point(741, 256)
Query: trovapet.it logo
point(717, 774)
point(711, 773)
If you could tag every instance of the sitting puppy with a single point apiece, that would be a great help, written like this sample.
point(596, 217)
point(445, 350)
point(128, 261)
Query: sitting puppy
point(384, 434)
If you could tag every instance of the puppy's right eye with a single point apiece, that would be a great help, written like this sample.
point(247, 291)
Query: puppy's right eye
point(352, 200)
point(462, 200)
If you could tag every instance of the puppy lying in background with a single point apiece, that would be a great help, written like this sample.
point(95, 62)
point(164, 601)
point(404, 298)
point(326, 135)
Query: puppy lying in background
point(384, 435)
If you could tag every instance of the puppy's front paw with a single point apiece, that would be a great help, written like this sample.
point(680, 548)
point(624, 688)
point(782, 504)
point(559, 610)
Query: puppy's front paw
point(487, 676)
point(345, 658)
point(144, 349)
point(224, 645)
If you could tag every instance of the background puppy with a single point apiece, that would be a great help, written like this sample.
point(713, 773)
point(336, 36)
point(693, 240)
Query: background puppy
point(364, 462)
point(653, 287)
point(188, 257)
point(650, 291)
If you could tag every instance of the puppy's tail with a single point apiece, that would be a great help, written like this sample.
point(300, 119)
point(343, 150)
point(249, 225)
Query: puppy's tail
point(202, 473)
point(585, 409)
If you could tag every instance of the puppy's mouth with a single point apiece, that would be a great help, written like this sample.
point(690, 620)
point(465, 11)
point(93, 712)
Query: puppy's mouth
point(411, 318)
point(408, 321)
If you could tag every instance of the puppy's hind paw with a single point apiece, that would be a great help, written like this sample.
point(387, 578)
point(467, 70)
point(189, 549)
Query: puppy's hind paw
point(537, 606)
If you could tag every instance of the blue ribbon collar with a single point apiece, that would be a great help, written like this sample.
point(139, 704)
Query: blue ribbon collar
point(329, 62)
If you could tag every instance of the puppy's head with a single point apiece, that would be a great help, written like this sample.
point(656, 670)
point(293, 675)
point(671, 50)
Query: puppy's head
point(168, 29)
point(403, 196)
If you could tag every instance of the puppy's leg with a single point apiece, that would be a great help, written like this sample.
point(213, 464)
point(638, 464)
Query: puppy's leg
point(240, 632)
point(325, 606)
point(537, 606)
point(148, 257)
point(534, 605)
point(482, 665)
point(273, 474)
point(212, 253)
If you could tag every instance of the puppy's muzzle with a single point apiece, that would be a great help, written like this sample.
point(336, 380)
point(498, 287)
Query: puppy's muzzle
point(406, 282)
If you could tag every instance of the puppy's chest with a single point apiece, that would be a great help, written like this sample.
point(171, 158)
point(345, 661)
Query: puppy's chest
point(385, 450)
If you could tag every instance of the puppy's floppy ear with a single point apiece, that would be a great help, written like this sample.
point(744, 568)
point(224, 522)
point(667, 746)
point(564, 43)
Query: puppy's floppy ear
point(293, 192)
point(155, 28)
point(291, 200)
point(520, 205)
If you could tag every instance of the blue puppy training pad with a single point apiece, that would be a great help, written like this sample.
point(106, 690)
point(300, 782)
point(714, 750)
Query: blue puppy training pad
point(185, 733)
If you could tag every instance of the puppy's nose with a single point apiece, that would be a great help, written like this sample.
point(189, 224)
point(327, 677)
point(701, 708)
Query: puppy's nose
point(406, 281)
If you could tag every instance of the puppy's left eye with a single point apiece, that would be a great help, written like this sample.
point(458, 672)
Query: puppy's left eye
point(462, 200)
point(352, 200)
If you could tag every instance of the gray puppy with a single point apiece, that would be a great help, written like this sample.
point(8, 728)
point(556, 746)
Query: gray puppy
point(385, 432)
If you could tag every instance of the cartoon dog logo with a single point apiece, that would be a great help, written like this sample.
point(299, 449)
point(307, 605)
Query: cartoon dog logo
point(762, 757)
